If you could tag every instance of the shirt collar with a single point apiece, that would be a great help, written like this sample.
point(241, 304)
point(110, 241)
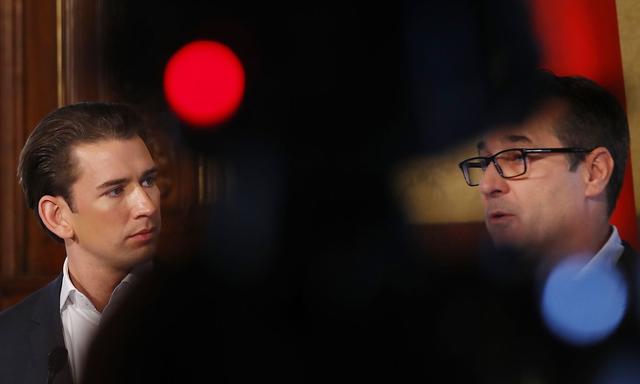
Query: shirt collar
point(67, 285)
point(68, 289)
point(610, 252)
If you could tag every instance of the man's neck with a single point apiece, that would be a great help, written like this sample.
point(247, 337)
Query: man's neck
point(95, 282)
point(586, 244)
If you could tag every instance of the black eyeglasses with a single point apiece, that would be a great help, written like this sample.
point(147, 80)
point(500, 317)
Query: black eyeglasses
point(509, 163)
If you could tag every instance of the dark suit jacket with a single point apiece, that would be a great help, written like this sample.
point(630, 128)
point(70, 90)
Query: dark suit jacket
point(487, 326)
point(28, 332)
point(629, 265)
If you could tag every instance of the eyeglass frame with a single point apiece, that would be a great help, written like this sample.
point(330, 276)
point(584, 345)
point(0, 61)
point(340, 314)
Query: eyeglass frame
point(524, 151)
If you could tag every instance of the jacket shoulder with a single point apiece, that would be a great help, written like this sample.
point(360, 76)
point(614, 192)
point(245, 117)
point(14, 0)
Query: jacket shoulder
point(18, 316)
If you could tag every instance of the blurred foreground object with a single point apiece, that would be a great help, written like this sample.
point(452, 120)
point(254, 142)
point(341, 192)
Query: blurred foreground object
point(307, 266)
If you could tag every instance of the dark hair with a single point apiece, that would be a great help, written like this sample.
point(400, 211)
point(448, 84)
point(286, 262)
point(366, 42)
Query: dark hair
point(593, 118)
point(46, 166)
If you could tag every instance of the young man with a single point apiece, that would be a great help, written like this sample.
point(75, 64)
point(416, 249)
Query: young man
point(87, 173)
point(550, 184)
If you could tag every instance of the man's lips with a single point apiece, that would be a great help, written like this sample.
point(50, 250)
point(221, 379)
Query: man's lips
point(497, 216)
point(143, 234)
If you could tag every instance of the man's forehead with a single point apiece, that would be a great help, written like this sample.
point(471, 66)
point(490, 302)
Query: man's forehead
point(538, 128)
point(102, 141)
point(106, 158)
point(505, 136)
point(107, 147)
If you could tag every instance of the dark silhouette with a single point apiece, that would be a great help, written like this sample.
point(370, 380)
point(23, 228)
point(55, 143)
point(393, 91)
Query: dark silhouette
point(308, 271)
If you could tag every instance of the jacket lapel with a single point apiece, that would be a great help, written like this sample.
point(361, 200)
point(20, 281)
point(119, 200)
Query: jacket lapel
point(47, 332)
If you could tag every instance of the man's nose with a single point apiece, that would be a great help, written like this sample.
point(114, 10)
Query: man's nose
point(491, 183)
point(144, 202)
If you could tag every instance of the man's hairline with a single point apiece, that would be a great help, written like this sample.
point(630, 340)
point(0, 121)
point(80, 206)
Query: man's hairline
point(558, 107)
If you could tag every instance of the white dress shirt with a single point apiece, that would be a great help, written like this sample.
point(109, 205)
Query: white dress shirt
point(610, 252)
point(80, 318)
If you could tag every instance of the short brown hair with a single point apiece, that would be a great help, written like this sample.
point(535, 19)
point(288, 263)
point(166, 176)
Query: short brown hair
point(46, 166)
point(594, 118)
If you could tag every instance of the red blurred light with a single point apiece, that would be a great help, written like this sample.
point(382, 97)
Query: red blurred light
point(204, 83)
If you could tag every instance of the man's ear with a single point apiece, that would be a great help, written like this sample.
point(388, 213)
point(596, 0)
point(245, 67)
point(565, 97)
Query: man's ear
point(599, 168)
point(54, 212)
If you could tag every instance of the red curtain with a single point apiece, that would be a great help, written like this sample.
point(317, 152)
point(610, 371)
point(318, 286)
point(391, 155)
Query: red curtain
point(580, 37)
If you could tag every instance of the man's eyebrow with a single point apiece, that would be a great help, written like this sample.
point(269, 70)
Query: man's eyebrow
point(518, 139)
point(150, 172)
point(111, 183)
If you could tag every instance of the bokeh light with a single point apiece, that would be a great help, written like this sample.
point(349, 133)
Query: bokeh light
point(583, 304)
point(204, 83)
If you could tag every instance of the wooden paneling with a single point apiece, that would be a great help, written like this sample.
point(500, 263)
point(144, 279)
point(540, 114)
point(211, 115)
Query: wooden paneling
point(43, 256)
point(29, 89)
point(11, 126)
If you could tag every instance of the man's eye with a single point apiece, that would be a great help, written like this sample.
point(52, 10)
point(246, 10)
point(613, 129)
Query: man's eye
point(512, 157)
point(478, 165)
point(149, 181)
point(115, 192)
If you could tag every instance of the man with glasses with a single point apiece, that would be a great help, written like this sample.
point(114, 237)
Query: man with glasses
point(550, 184)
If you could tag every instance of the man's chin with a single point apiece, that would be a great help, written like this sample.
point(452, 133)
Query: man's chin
point(149, 253)
point(504, 240)
point(142, 255)
point(517, 248)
